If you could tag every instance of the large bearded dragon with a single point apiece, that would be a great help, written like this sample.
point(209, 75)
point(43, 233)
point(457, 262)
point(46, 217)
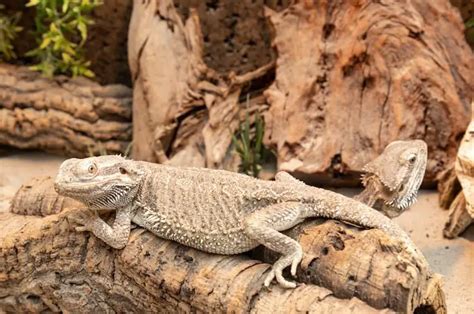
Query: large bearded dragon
point(215, 211)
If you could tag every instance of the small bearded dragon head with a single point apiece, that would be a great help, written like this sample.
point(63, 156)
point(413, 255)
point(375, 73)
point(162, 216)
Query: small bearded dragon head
point(105, 182)
point(396, 175)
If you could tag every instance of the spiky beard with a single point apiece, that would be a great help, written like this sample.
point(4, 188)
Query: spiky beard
point(117, 196)
point(403, 202)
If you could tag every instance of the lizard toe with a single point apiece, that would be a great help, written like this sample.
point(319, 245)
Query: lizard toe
point(283, 282)
point(269, 278)
point(298, 256)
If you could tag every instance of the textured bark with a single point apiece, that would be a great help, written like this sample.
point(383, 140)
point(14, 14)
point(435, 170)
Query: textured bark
point(448, 187)
point(466, 8)
point(237, 36)
point(67, 116)
point(344, 90)
point(461, 210)
point(458, 219)
point(365, 264)
point(44, 265)
point(351, 263)
point(184, 113)
point(38, 198)
point(396, 74)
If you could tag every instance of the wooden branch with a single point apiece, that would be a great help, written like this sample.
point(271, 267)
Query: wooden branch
point(37, 197)
point(366, 264)
point(461, 210)
point(44, 265)
point(353, 263)
point(62, 115)
point(448, 187)
point(458, 219)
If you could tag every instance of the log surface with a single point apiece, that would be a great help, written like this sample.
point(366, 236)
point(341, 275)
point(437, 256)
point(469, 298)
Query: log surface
point(62, 115)
point(342, 265)
point(345, 90)
point(47, 266)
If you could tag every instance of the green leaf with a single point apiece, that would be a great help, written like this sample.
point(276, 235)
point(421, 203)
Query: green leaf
point(65, 5)
point(88, 73)
point(66, 57)
point(46, 41)
point(81, 26)
point(258, 132)
point(32, 3)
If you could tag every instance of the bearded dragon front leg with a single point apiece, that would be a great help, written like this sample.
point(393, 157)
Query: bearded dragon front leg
point(115, 236)
point(264, 225)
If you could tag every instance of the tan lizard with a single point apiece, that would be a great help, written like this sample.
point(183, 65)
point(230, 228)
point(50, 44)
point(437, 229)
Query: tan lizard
point(214, 211)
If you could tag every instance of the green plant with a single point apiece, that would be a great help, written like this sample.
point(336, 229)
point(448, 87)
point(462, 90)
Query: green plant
point(470, 23)
point(61, 27)
point(248, 142)
point(8, 31)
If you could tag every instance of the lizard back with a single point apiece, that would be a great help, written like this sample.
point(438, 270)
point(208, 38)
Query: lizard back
point(203, 208)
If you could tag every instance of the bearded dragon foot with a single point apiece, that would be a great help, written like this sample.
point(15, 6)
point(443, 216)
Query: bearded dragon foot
point(85, 220)
point(294, 260)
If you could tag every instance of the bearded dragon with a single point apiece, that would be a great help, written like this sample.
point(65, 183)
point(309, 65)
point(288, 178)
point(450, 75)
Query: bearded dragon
point(215, 211)
point(392, 180)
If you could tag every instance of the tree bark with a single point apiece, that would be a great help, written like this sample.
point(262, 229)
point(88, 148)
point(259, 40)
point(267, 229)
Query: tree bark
point(352, 263)
point(458, 219)
point(62, 115)
point(184, 112)
point(448, 187)
point(365, 264)
point(461, 208)
point(46, 266)
point(340, 94)
point(344, 90)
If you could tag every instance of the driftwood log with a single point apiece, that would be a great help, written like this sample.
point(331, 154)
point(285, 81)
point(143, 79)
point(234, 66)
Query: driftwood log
point(47, 266)
point(353, 264)
point(457, 189)
point(344, 90)
point(63, 115)
point(337, 93)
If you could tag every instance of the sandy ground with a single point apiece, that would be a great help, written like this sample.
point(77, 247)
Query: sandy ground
point(454, 259)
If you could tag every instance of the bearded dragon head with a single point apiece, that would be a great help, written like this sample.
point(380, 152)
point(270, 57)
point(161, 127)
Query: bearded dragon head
point(396, 175)
point(105, 182)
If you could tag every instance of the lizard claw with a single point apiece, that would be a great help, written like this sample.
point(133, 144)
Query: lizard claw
point(276, 272)
point(298, 256)
point(269, 278)
point(280, 279)
point(283, 282)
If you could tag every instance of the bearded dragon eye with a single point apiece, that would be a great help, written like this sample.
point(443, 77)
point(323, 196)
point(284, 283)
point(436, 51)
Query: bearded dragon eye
point(92, 169)
point(412, 159)
point(122, 170)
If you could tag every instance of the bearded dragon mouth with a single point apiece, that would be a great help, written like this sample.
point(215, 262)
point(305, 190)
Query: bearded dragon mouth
point(73, 188)
point(404, 202)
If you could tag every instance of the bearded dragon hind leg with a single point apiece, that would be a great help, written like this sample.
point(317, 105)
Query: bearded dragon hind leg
point(264, 226)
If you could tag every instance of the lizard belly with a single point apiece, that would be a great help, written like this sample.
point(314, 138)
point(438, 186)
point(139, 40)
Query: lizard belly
point(227, 242)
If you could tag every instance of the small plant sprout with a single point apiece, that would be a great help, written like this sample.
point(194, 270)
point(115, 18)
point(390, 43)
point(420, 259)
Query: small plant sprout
point(248, 143)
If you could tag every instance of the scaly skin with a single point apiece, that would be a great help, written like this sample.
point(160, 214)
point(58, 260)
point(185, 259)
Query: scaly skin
point(393, 178)
point(214, 211)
